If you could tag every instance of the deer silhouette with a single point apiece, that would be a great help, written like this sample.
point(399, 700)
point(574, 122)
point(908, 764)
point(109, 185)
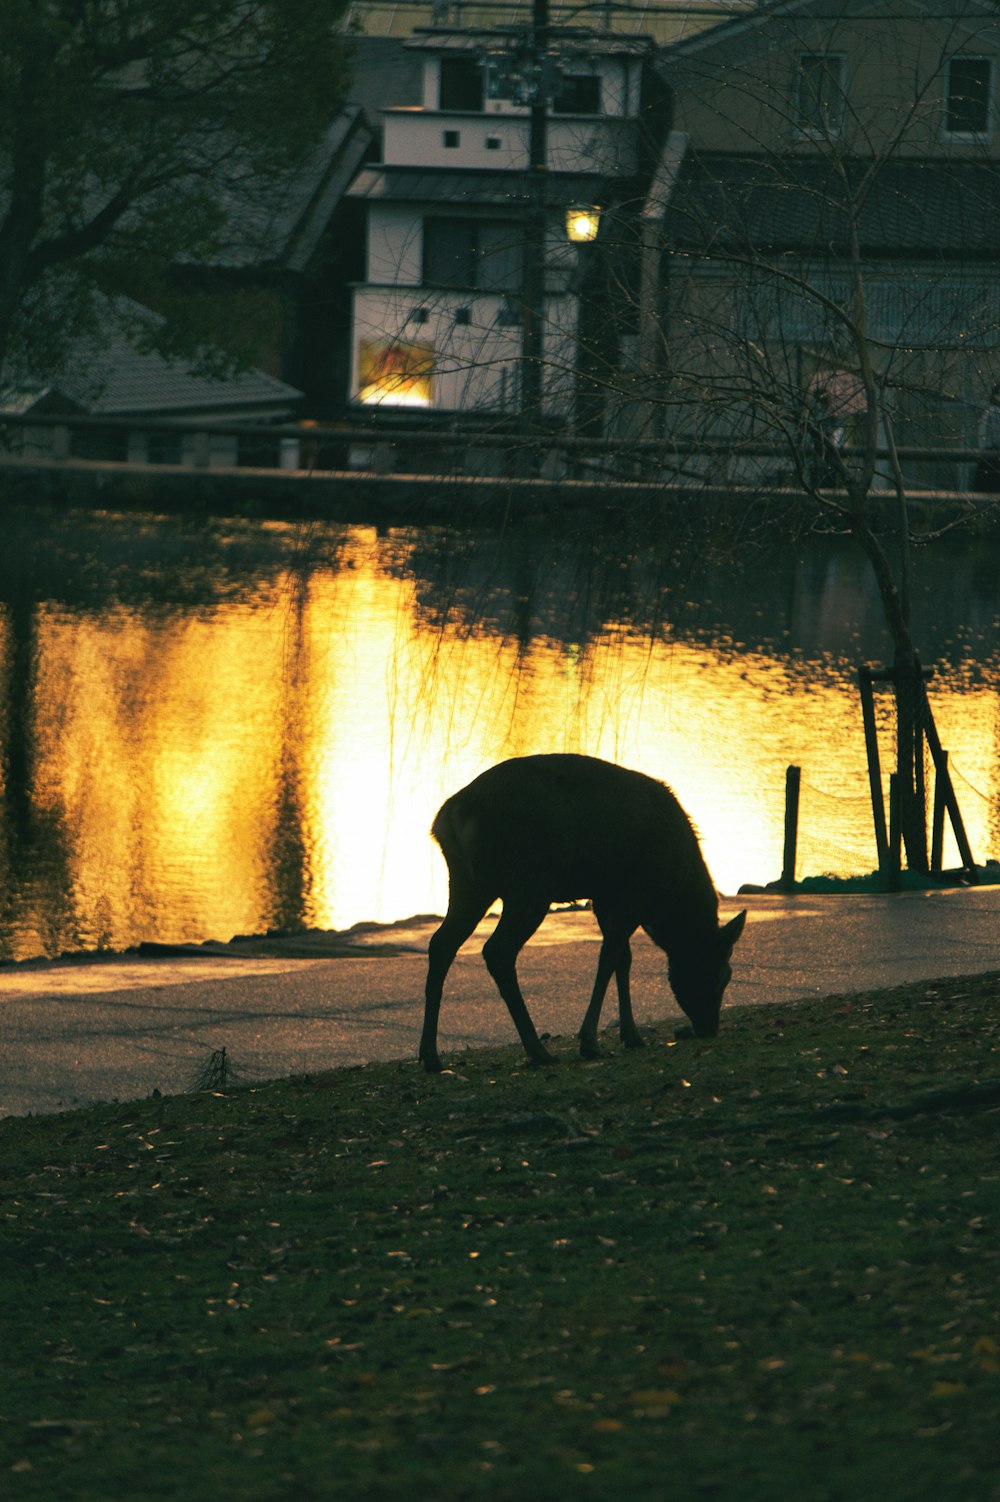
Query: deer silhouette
point(541, 829)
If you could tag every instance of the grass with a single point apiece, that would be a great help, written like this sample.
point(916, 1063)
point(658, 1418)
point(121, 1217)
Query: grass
point(763, 1266)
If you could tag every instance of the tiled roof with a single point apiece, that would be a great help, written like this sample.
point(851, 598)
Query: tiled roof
point(437, 185)
point(567, 40)
point(116, 377)
point(269, 227)
point(914, 207)
point(385, 71)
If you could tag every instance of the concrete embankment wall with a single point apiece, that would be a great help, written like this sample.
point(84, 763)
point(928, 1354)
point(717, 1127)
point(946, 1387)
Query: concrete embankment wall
point(352, 495)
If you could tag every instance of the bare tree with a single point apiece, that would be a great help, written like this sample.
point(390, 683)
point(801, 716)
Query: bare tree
point(821, 289)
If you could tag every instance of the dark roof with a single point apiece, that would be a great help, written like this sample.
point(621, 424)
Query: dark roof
point(509, 189)
point(756, 21)
point(912, 208)
point(271, 225)
point(567, 40)
point(120, 376)
point(278, 225)
point(385, 71)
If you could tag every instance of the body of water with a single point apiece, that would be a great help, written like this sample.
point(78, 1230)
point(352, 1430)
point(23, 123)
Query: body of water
point(218, 727)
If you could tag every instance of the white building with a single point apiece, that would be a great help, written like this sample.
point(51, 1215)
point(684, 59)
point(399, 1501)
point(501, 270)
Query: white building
point(467, 218)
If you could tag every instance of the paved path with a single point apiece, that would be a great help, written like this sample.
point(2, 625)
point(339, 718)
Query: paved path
point(71, 1033)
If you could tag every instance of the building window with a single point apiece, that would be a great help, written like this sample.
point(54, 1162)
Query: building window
point(968, 96)
point(461, 85)
point(463, 315)
point(820, 98)
point(493, 143)
point(255, 451)
point(452, 138)
point(485, 254)
point(99, 443)
point(396, 373)
point(163, 447)
point(578, 94)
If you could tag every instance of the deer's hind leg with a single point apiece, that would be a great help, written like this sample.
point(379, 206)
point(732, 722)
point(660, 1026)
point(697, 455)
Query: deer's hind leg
point(520, 917)
point(629, 1033)
point(615, 959)
point(465, 909)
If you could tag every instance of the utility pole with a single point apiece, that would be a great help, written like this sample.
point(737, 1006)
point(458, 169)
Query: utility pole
point(533, 276)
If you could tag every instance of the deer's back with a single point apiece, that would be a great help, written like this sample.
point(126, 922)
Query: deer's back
point(572, 826)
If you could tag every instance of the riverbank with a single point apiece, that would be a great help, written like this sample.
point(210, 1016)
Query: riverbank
point(73, 1032)
point(768, 1262)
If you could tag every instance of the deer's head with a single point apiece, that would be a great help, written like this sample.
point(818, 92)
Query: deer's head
point(700, 975)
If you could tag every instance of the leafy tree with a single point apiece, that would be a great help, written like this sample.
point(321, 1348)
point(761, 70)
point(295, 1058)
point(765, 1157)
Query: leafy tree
point(127, 132)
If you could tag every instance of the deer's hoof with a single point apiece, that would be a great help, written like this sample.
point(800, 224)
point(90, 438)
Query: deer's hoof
point(634, 1040)
point(591, 1050)
point(432, 1064)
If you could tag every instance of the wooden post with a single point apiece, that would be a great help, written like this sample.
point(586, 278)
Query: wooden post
point(865, 677)
point(920, 711)
point(947, 790)
point(895, 834)
point(908, 685)
point(793, 781)
point(937, 820)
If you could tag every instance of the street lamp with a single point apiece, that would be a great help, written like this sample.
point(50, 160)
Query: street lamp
point(583, 222)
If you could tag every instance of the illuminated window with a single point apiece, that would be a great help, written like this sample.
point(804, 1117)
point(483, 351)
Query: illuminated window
point(396, 373)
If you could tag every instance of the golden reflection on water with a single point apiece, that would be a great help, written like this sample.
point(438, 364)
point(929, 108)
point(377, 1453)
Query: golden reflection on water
point(157, 744)
point(279, 762)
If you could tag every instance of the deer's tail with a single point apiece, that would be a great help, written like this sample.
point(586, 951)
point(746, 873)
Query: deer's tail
point(456, 832)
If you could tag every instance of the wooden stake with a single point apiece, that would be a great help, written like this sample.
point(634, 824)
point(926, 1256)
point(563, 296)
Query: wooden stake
point(793, 782)
point(865, 679)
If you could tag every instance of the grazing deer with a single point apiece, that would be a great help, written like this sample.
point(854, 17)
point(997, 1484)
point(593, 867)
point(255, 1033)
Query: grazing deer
point(544, 829)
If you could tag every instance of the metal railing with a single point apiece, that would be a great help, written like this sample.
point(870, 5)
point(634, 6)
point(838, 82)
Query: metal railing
point(316, 439)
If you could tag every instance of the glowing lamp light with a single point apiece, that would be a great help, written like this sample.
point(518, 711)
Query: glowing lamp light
point(395, 394)
point(582, 223)
point(396, 374)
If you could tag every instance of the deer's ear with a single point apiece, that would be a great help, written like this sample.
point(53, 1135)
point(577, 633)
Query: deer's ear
point(731, 931)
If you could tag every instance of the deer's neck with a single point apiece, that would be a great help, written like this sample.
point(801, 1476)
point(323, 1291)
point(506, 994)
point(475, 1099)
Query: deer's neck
point(687, 920)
